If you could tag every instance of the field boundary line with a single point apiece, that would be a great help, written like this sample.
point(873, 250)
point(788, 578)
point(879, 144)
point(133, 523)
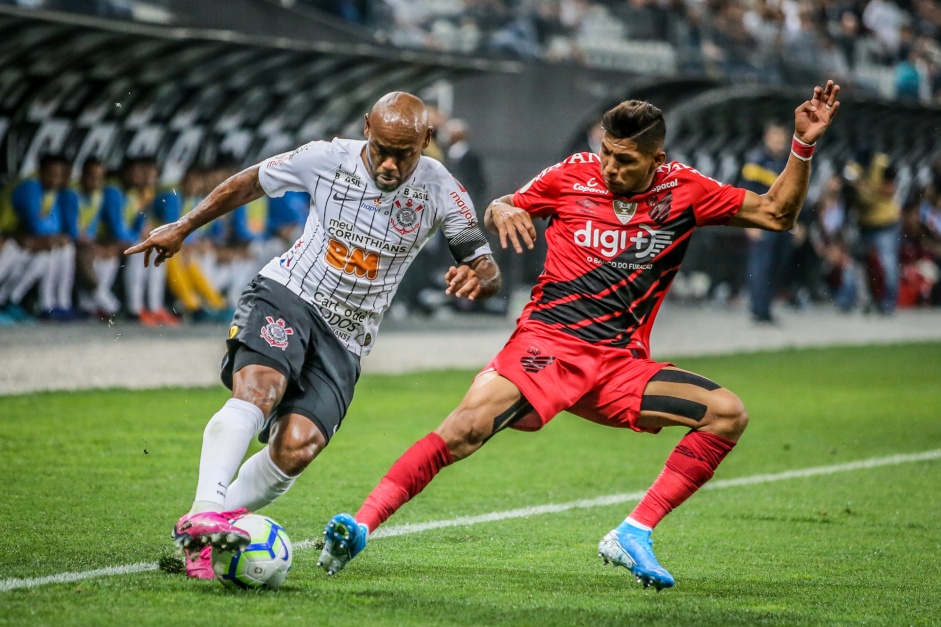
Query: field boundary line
point(523, 512)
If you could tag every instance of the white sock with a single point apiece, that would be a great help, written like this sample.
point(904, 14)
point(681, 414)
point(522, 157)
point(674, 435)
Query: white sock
point(156, 286)
point(260, 482)
point(65, 275)
point(634, 523)
point(10, 254)
point(41, 263)
point(106, 269)
point(134, 283)
point(225, 442)
point(26, 274)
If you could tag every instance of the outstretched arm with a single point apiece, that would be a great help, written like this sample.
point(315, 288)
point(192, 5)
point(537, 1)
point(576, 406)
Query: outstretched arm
point(777, 209)
point(478, 279)
point(235, 191)
point(511, 223)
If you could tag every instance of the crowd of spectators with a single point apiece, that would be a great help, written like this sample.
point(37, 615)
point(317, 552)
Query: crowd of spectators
point(862, 243)
point(889, 47)
point(138, 10)
point(62, 243)
point(892, 47)
point(63, 231)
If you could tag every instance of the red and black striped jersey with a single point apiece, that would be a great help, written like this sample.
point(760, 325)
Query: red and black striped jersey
point(610, 258)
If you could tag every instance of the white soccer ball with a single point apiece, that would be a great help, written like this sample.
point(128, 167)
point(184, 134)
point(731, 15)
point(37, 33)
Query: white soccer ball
point(262, 564)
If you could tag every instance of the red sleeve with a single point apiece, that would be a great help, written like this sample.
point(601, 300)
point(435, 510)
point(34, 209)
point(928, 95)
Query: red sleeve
point(540, 197)
point(713, 202)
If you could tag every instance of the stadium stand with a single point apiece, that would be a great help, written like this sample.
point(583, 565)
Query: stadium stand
point(886, 47)
point(187, 84)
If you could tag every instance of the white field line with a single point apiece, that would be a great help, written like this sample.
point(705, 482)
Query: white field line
point(523, 512)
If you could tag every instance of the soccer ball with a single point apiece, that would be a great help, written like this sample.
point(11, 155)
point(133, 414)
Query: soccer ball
point(262, 564)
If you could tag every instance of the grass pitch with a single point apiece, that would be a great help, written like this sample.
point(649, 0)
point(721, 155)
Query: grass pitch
point(95, 480)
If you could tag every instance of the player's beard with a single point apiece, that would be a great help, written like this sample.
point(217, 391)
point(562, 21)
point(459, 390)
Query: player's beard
point(389, 184)
point(392, 182)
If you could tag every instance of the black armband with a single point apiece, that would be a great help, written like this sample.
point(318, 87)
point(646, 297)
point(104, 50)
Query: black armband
point(466, 243)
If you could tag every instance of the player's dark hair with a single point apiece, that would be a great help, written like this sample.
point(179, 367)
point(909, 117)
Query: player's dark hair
point(52, 158)
point(91, 162)
point(638, 121)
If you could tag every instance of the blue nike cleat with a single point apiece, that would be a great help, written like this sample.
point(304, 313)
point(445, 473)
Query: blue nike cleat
point(343, 539)
point(632, 548)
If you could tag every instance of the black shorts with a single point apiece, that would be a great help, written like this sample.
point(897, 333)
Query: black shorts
point(274, 327)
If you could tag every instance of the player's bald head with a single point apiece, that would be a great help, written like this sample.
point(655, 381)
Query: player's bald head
point(400, 112)
point(397, 130)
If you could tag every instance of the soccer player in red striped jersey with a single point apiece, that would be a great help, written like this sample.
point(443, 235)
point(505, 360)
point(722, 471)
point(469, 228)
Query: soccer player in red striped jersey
point(619, 224)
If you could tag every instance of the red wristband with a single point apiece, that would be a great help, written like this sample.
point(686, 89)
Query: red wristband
point(802, 150)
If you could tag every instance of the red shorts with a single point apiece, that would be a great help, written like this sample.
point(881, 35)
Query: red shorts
point(556, 372)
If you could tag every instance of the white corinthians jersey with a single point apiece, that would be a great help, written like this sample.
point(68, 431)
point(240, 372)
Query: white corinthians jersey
point(358, 240)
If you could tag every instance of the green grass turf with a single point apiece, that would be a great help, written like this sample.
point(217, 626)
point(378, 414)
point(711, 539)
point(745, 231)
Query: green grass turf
point(96, 479)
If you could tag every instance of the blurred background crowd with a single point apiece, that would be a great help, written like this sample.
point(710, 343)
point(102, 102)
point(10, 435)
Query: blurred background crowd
point(863, 241)
point(860, 243)
point(62, 241)
point(869, 237)
point(889, 47)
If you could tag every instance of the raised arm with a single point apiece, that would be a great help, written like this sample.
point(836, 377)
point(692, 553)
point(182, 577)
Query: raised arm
point(235, 191)
point(777, 209)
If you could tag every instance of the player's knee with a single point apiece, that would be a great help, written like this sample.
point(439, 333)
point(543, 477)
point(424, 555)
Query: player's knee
point(294, 444)
point(260, 387)
point(728, 415)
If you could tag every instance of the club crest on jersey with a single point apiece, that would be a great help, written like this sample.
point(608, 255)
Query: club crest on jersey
point(661, 210)
point(276, 333)
point(624, 211)
point(405, 217)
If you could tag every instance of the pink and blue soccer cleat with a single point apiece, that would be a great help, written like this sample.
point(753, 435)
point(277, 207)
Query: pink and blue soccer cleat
point(632, 548)
point(215, 529)
point(199, 563)
point(343, 539)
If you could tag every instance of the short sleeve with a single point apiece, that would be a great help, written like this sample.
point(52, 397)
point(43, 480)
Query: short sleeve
point(291, 171)
point(540, 196)
point(713, 202)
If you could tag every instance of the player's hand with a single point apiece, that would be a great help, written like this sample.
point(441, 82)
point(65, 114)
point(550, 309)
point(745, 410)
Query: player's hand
point(813, 116)
point(513, 224)
point(462, 282)
point(164, 240)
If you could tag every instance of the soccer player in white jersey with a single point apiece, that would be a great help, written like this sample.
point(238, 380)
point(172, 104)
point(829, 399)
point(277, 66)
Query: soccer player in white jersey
point(305, 321)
